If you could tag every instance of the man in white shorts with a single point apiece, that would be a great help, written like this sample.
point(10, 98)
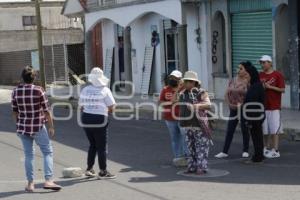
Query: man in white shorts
point(274, 84)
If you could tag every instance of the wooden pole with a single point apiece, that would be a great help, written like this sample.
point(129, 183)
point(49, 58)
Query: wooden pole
point(40, 43)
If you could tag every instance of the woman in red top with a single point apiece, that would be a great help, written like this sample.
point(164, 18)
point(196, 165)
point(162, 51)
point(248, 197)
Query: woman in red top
point(234, 96)
point(169, 97)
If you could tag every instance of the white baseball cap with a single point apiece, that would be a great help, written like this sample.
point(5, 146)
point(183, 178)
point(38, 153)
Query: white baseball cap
point(176, 73)
point(266, 58)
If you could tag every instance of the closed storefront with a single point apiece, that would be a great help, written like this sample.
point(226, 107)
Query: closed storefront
point(251, 26)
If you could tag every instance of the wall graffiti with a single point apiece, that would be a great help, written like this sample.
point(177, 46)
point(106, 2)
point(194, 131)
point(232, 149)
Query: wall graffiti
point(214, 47)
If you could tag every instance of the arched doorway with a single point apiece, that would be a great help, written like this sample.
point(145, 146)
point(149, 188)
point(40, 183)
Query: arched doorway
point(97, 50)
point(218, 44)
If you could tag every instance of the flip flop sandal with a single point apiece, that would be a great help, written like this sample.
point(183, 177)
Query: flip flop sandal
point(28, 190)
point(54, 188)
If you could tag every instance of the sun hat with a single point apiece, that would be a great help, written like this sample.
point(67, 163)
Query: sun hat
point(176, 74)
point(97, 78)
point(191, 76)
point(265, 58)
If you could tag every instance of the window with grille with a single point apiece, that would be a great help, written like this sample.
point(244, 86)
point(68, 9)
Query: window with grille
point(29, 20)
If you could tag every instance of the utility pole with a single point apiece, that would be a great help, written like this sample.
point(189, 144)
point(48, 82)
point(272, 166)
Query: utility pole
point(40, 43)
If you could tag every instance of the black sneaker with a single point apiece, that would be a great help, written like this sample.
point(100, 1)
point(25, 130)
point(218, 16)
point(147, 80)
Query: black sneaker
point(106, 175)
point(189, 171)
point(90, 173)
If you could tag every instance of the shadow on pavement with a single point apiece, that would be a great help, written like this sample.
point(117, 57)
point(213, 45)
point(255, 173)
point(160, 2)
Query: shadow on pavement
point(144, 145)
point(39, 186)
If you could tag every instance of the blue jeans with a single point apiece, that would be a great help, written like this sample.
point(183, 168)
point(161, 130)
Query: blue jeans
point(42, 140)
point(177, 134)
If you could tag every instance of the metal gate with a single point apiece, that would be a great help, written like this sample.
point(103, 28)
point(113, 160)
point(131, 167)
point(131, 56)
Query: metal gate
point(251, 37)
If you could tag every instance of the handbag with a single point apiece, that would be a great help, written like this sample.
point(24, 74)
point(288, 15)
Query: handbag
point(202, 115)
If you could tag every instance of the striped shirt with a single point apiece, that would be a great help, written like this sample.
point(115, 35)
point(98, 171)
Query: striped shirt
point(30, 102)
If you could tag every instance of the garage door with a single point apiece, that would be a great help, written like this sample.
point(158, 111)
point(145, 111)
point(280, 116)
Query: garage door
point(251, 37)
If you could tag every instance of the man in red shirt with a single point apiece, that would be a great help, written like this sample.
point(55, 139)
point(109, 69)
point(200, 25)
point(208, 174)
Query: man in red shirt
point(274, 84)
point(168, 97)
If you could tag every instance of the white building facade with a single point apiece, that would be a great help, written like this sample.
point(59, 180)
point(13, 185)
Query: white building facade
point(245, 30)
point(180, 41)
point(210, 37)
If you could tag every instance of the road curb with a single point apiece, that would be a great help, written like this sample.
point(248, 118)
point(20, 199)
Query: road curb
point(145, 113)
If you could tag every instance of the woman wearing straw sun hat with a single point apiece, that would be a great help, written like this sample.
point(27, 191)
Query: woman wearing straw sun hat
point(96, 101)
point(194, 101)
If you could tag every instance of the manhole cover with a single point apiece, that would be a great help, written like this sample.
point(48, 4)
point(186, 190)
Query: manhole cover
point(211, 173)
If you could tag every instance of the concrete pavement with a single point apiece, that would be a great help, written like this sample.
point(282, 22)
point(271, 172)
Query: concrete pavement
point(139, 153)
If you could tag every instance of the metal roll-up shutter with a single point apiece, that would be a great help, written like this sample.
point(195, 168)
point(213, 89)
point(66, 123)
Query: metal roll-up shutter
point(251, 37)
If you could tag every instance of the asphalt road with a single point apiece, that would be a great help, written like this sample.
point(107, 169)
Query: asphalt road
point(140, 155)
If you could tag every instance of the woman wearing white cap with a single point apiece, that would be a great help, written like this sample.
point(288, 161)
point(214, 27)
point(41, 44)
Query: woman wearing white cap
point(96, 101)
point(168, 99)
point(193, 117)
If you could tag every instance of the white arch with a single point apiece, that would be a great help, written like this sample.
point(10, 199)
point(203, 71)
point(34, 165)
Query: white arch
point(216, 13)
point(278, 9)
point(126, 15)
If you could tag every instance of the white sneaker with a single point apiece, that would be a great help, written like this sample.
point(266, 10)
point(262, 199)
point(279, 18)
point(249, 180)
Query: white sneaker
point(273, 154)
point(221, 155)
point(245, 155)
point(266, 151)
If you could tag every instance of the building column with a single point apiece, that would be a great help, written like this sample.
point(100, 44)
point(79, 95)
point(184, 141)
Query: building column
point(127, 59)
point(88, 51)
point(294, 53)
point(182, 48)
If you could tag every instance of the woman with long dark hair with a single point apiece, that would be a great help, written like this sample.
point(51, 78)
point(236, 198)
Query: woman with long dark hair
point(253, 112)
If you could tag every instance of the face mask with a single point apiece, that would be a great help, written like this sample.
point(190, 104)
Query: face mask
point(173, 83)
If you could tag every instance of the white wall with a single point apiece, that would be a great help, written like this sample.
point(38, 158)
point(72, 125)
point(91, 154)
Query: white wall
point(51, 18)
point(72, 8)
point(127, 14)
point(108, 36)
point(194, 57)
point(141, 37)
point(205, 53)
point(286, 97)
point(220, 85)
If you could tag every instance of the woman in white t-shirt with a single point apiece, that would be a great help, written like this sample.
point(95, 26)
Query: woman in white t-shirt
point(96, 102)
